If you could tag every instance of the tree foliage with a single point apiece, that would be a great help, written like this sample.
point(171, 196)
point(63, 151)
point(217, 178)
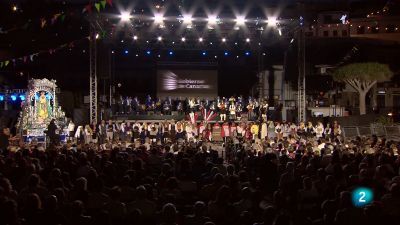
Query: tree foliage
point(370, 71)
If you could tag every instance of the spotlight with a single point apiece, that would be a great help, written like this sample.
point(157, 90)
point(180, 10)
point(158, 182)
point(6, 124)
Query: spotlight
point(14, 98)
point(226, 53)
point(148, 52)
point(135, 37)
point(170, 53)
point(247, 53)
point(1, 98)
point(125, 16)
point(126, 51)
point(240, 20)
point(22, 97)
point(272, 21)
point(158, 18)
point(183, 39)
point(112, 52)
point(14, 8)
point(215, 56)
point(247, 40)
point(137, 55)
point(187, 19)
point(159, 38)
point(223, 39)
point(212, 19)
point(291, 41)
point(280, 32)
point(204, 53)
point(158, 56)
point(211, 43)
point(201, 39)
point(97, 36)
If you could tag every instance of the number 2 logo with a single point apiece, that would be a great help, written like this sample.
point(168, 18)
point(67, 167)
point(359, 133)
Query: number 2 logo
point(362, 196)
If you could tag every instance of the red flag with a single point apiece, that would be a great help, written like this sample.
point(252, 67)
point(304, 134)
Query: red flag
point(88, 8)
point(109, 2)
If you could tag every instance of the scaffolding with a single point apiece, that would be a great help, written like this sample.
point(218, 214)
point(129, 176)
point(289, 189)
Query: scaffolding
point(93, 72)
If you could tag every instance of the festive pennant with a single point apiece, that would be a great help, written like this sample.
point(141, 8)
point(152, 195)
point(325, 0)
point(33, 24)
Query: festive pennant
point(103, 3)
point(97, 6)
point(109, 2)
point(6, 63)
point(1, 64)
point(88, 8)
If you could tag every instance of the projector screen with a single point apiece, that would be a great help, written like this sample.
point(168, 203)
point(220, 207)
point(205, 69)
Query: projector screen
point(187, 83)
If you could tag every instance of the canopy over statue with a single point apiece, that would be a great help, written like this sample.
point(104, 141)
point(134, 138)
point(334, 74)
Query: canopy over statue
point(39, 108)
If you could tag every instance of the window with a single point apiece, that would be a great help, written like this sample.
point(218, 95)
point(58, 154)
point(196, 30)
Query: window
point(335, 33)
point(344, 33)
point(326, 33)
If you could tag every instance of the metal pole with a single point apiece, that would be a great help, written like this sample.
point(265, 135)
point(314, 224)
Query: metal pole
point(93, 73)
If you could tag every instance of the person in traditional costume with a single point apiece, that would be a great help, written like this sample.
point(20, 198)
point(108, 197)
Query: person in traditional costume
point(189, 131)
point(301, 130)
point(254, 130)
point(225, 131)
point(264, 111)
point(271, 130)
point(310, 131)
point(102, 132)
point(88, 134)
point(279, 131)
point(222, 110)
point(239, 110)
point(285, 130)
point(319, 130)
point(250, 109)
point(79, 135)
point(328, 131)
point(216, 132)
point(43, 107)
point(293, 129)
point(232, 111)
point(264, 130)
point(337, 130)
point(111, 129)
point(71, 130)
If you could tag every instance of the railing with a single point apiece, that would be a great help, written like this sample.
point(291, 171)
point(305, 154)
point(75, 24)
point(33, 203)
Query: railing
point(389, 132)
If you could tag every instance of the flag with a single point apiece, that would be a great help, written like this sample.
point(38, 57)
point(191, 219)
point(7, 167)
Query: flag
point(97, 6)
point(1, 64)
point(109, 2)
point(88, 8)
point(103, 3)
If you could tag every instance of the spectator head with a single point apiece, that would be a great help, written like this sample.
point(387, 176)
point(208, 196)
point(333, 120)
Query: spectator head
point(141, 192)
point(395, 190)
point(199, 208)
point(282, 220)
point(269, 215)
point(81, 184)
point(77, 208)
point(307, 183)
point(115, 193)
point(169, 213)
point(33, 181)
point(33, 202)
point(345, 199)
point(246, 193)
point(50, 203)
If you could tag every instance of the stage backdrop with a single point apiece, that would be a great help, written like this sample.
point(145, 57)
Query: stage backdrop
point(187, 83)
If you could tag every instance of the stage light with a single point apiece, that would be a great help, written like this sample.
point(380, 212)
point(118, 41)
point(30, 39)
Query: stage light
point(215, 56)
point(135, 37)
point(14, 8)
point(211, 43)
point(112, 52)
point(22, 97)
point(212, 19)
point(183, 39)
point(158, 56)
point(204, 53)
point(236, 43)
point(97, 36)
point(237, 56)
point(272, 21)
point(159, 38)
point(247, 53)
point(137, 55)
point(187, 19)
point(291, 41)
point(201, 39)
point(148, 52)
point(247, 40)
point(171, 53)
point(158, 18)
point(240, 20)
point(226, 53)
point(13, 97)
point(126, 51)
point(1, 98)
point(280, 32)
point(125, 16)
point(223, 39)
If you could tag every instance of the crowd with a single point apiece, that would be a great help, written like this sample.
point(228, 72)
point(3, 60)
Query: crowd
point(268, 174)
point(223, 105)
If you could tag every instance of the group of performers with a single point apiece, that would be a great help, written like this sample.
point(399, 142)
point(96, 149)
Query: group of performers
point(227, 108)
point(199, 131)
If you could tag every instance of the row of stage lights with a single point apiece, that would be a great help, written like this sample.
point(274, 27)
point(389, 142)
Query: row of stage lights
point(13, 97)
point(159, 18)
point(172, 53)
point(184, 39)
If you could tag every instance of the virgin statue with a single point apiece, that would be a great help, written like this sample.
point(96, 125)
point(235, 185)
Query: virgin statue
point(43, 108)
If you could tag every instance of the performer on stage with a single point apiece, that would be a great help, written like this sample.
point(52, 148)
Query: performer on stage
point(232, 111)
point(264, 130)
point(233, 130)
point(310, 130)
point(328, 131)
point(239, 110)
point(222, 110)
point(279, 131)
point(225, 132)
point(285, 130)
point(301, 130)
point(43, 107)
point(337, 130)
point(271, 130)
point(250, 109)
point(293, 130)
point(71, 130)
point(254, 130)
point(264, 111)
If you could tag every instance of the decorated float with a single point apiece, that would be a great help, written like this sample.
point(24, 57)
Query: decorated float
point(39, 108)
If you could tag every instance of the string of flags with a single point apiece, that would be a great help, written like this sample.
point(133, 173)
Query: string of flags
point(45, 21)
point(31, 57)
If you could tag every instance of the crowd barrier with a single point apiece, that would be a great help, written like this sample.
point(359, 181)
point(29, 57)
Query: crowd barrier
point(389, 132)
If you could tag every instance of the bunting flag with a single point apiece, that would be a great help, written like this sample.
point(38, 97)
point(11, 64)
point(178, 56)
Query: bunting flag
point(97, 6)
point(109, 2)
point(103, 4)
point(31, 57)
